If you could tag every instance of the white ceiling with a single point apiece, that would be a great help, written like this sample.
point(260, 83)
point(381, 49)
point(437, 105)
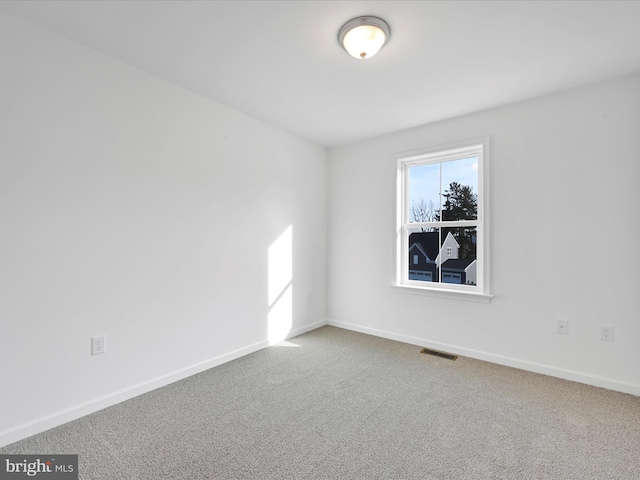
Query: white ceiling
point(280, 61)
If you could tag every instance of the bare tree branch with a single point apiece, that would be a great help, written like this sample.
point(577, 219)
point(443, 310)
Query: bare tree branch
point(423, 211)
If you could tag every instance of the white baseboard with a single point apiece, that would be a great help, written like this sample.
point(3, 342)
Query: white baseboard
point(55, 419)
point(572, 375)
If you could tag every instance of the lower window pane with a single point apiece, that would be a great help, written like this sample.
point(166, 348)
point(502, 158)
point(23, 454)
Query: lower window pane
point(446, 255)
point(458, 249)
point(423, 252)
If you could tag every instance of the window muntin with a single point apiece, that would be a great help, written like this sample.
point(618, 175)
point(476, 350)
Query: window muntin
point(441, 220)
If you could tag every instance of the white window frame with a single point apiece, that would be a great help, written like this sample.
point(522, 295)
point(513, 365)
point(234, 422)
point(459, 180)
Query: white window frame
point(480, 292)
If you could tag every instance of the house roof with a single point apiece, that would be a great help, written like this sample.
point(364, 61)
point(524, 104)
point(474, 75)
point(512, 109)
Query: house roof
point(457, 264)
point(418, 246)
point(427, 242)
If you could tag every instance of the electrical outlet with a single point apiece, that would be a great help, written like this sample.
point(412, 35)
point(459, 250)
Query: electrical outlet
point(606, 333)
point(98, 344)
point(562, 326)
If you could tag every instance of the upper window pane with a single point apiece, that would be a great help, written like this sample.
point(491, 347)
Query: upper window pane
point(424, 191)
point(444, 191)
point(460, 189)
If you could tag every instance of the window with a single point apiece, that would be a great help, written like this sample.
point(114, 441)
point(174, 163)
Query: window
point(442, 213)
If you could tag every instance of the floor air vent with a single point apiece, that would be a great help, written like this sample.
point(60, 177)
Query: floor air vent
point(436, 353)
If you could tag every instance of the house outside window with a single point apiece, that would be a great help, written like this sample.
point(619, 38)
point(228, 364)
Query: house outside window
point(442, 219)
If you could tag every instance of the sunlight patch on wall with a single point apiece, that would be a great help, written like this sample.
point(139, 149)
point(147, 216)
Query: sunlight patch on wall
point(280, 287)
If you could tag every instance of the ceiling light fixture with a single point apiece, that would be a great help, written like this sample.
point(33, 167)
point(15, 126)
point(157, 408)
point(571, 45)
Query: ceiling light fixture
point(363, 37)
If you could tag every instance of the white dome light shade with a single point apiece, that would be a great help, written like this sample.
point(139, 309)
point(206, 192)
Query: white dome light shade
point(364, 41)
point(363, 37)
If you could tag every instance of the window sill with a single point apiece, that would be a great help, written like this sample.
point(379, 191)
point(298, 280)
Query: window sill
point(443, 293)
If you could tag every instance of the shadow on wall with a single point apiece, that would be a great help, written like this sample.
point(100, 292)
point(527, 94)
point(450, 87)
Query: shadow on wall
point(280, 273)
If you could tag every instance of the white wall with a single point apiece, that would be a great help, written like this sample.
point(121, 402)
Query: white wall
point(136, 209)
point(565, 174)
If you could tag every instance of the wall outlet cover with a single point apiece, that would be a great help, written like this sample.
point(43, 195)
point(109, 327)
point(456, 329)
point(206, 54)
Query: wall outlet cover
point(98, 344)
point(606, 333)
